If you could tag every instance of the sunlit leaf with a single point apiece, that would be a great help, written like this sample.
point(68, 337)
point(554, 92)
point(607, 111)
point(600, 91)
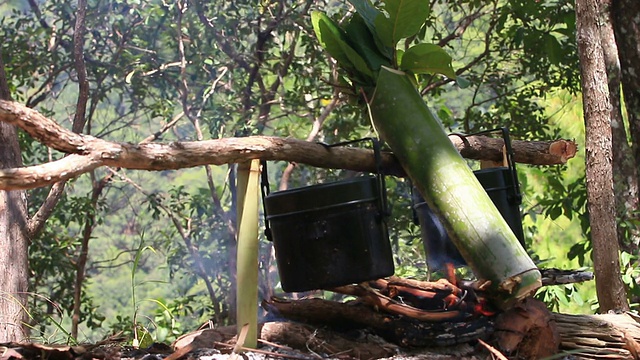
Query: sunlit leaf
point(127, 79)
point(427, 59)
point(333, 39)
point(330, 37)
point(406, 17)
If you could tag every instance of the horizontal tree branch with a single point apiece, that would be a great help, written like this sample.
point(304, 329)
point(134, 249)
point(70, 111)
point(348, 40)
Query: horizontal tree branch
point(555, 152)
point(88, 153)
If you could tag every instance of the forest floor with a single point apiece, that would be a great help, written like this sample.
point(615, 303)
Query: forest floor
point(205, 347)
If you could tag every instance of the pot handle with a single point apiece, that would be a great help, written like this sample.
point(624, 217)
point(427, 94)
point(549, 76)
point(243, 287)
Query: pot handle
point(515, 194)
point(383, 206)
point(264, 189)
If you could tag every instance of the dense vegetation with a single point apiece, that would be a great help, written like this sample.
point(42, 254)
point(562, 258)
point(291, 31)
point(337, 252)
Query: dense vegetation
point(160, 245)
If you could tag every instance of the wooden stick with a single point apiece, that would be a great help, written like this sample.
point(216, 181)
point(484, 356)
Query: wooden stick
point(377, 300)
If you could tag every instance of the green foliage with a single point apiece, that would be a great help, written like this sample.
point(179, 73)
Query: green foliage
point(168, 328)
point(427, 59)
point(334, 39)
point(630, 275)
point(141, 335)
point(560, 296)
point(53, 264)
point(403, 19)
point(369, 41)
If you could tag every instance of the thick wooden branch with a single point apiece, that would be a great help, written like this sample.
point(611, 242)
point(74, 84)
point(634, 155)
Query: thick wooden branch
point(526, 152)
point(41, 128)
point(605, 336)
point(89, 153)
point(46, 174)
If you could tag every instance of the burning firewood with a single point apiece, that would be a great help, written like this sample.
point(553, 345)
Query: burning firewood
point(410, 312)
point(382, 302)
point(406, 312)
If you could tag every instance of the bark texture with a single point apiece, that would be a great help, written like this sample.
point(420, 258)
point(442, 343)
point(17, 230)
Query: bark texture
point(599, 170)
point(14, 240)
point(606, 336)
point(626, 15)
point(625, 176)
point(13, 245)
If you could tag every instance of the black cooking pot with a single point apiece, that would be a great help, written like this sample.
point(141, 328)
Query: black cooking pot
point(331, 234)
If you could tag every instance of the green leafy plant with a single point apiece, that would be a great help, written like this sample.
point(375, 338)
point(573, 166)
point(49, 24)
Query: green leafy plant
point(555, 296)
point(369, 40)
point(630, 277)
point(141, 334)
point(168, 328)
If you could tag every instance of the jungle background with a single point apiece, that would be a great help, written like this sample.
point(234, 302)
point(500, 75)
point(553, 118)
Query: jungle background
point(151, 253)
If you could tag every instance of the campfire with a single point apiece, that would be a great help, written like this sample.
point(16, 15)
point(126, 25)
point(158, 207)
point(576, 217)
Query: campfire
point(405, 312)
point(393, 318)
point(390, 316)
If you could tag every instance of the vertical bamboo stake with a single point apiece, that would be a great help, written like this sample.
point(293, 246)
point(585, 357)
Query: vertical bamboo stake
point(247, 224)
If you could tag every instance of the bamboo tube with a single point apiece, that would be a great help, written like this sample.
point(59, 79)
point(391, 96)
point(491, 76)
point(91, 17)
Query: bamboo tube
point(448, 185)
point(247, 272)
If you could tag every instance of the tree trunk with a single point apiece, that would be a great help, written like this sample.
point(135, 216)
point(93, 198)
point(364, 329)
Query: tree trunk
point(625, 175)
point(14, 241)
point(13, 245)
point(599, 173)
point(627, 31)
point(624, 14)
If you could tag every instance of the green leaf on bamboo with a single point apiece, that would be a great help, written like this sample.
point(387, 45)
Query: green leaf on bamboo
point(330, 36)
point(358, 62)
point(427, 59)
point(363, 41)
point(334, 40)
point(369, 14)
point(405, 18)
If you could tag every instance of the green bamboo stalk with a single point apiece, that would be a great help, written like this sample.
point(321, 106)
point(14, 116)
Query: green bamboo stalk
point(248, 190)
point(448, 185)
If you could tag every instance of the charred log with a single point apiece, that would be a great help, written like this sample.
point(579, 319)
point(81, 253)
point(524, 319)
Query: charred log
point(398, 329)
point(553, 276)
